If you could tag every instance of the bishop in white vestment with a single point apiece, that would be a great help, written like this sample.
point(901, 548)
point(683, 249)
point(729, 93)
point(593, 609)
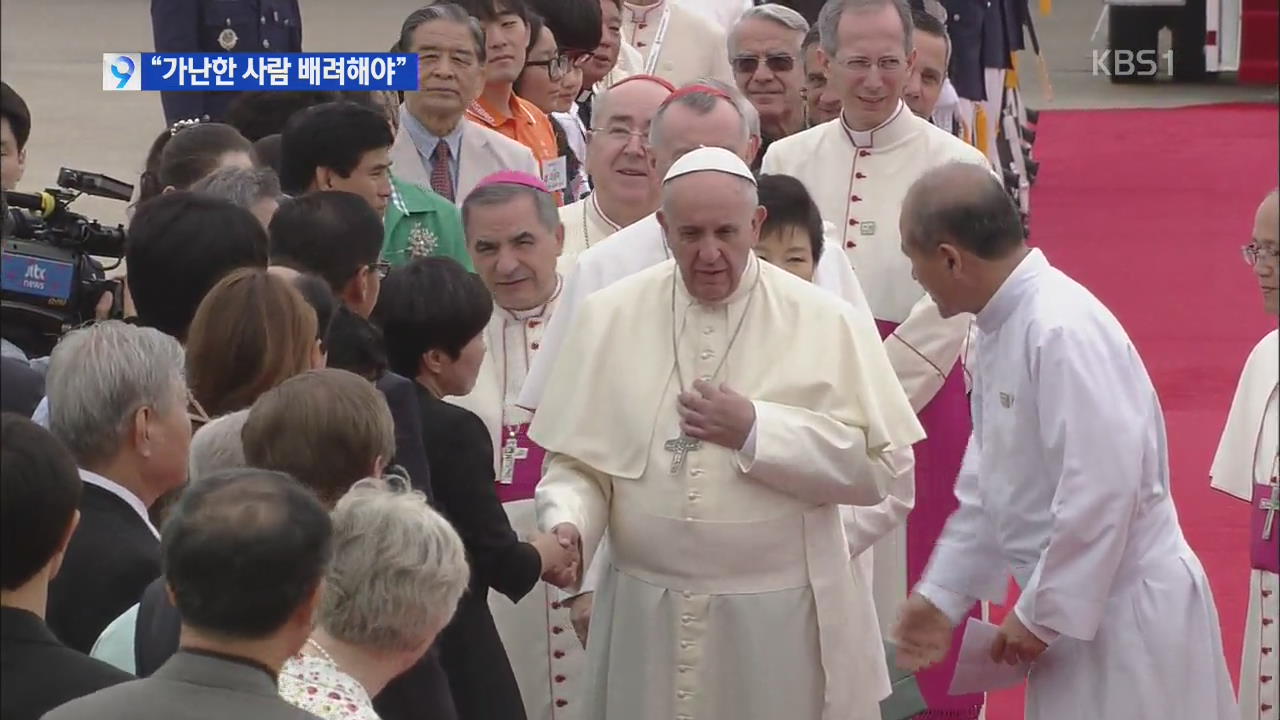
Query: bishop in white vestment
point(731, 592)
point(1247, 466)
point(516, 258)
point(1065, 484)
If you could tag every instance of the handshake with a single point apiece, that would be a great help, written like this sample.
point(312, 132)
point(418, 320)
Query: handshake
point(561, 552)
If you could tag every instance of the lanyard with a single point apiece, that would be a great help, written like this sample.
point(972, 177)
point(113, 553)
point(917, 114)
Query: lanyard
point(656, 49)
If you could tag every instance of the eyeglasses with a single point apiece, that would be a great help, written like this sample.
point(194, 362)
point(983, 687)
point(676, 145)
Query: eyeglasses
point(748, 64)
point(862, 65)
point(382, 267)
point(1254, 253)
point(556, 66)
point(621, 134)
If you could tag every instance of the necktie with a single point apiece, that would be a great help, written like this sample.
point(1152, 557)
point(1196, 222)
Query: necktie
point(440, 180)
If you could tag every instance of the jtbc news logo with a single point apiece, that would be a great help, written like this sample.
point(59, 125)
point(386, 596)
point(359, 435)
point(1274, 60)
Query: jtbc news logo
point(1127, 63)
point(122, 71)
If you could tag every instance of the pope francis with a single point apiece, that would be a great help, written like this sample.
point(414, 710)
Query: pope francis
point(729, 410)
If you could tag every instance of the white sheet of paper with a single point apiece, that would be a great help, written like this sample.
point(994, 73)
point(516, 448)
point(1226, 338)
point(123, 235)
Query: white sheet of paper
point(975, 670)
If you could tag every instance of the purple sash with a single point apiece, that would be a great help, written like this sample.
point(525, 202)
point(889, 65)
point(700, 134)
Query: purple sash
point(947, 423)
point(525, 458)
point(1264, 537)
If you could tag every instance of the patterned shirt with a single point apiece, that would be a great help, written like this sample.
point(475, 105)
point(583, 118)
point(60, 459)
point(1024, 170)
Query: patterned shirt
point(317, 685)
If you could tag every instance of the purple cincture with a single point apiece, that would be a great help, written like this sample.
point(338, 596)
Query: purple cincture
point(525, 462)
point(1264, 527)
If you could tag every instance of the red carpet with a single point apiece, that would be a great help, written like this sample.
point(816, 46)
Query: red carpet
point(1149, 209)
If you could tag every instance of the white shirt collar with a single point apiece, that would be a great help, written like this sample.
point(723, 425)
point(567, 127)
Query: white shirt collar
point(1006, 298)
point(121, 492)
point(896, 127)
point(538, 311)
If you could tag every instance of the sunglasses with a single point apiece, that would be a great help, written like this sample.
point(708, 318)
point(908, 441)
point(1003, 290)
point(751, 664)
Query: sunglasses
point(749, 64)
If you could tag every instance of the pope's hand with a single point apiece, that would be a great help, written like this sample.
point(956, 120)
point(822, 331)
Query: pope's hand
point(566, 535)
point(923, 634)
point(1015, 643)
point(716, 414)
point(559, 560)
point(580, 614)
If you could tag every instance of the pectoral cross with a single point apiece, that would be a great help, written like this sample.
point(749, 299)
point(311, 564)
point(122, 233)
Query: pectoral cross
point(1270, 506)
point(680, 447)
point(511, 452)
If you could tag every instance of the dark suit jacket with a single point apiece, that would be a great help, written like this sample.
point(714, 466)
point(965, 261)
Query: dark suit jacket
point(38, 673)
point(459, 449)
point(191, 686)
point(109, 561)
point(201, 26)
point(402, 398)
point(21, 388)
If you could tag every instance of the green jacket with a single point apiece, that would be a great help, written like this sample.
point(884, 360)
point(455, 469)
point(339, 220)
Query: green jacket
point(420, 223)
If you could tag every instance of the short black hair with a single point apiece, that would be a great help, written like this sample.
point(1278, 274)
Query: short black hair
point(963, 204)
point(356, 345)
point(180, 244)
point(432, 303)
point(811, 38)
point(243, 549)
point(259, 113)
point(39, 493)
point(577, 24)
point(926, 23)
point(316, 291)
point(489, 10)
point(14, 109)
point(788, 204)
point(266, 153)
point(330, 233)
point(334, 135)
point(181, 157)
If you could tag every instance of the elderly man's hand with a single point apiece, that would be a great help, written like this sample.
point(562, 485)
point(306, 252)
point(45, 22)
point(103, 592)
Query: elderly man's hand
point(716, 414)
point(923, 634)
point(1015, 643)
point(580, 614)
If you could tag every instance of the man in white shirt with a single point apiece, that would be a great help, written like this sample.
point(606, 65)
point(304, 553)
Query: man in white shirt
point(1065, 483)
point(118, 400)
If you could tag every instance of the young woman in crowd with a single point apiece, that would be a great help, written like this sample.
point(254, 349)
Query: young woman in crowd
point(187, 152)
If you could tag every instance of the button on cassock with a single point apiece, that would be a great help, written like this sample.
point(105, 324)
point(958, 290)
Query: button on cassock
point(707, 355)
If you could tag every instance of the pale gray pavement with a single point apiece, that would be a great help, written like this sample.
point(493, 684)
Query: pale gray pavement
point(51, 52)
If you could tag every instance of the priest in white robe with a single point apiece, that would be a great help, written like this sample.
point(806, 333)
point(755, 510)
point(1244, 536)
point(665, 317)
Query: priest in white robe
point(857, 168)
point(624, 183)
point(729, 408)
point(1065, 484)
point(675, 42)
point(514, 237)
point(1247, 466)
point(724, 13)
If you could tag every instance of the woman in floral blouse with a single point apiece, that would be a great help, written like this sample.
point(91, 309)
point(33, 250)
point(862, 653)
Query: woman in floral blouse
point(397, 573)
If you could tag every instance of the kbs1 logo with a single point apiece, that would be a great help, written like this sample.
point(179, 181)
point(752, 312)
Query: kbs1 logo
point(1127, 63)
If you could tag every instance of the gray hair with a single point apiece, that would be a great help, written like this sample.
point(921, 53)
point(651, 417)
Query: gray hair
point(703, 103)
point(502, 193)
point(101, 375)
point(834, 10)
point(397, 572)
point(217, 446)
point(245, 187)
point(448, 12)
point(771, 12)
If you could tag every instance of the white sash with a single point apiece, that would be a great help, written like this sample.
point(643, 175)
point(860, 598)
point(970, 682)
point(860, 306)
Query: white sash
point(651, 63)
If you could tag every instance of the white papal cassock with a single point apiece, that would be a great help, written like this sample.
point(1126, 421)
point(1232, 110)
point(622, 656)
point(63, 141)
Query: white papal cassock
point(1246, 466)
point(677, 44)
point(730, 593)
point(1065, 485)
point(545, 653)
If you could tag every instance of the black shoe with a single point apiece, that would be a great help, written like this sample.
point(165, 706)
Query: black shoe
point(1033, 116)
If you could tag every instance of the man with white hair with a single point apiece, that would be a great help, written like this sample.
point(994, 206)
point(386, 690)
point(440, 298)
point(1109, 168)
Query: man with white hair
point(254, 189)
point(714, 436)
point(857, 168)
point(675, 42)
point(625, 185)
point(118, 400)
point(766, 52)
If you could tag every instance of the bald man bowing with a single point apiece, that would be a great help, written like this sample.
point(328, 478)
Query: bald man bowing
point(729, 408)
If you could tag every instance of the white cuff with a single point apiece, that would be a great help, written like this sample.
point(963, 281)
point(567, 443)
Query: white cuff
point(954, 605)
point(746, 456)
point(1046, 635)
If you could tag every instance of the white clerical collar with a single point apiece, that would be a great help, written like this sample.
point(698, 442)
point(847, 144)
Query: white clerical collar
point(897, 127)
point(121, 492)
point(594, 203)
point(642, 13)
point(1003, 302)
point(536, 311)
point(747, 281)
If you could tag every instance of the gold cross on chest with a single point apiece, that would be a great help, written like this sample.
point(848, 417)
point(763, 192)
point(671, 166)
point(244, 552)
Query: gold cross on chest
point(511, 453)
point(680, 447)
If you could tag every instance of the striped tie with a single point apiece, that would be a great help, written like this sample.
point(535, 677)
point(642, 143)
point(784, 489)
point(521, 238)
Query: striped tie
point(440, 181)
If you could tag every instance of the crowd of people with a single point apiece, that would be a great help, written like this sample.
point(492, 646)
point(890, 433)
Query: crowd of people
point(652, 360)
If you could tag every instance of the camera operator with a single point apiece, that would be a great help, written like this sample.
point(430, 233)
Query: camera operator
point(15, 128)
